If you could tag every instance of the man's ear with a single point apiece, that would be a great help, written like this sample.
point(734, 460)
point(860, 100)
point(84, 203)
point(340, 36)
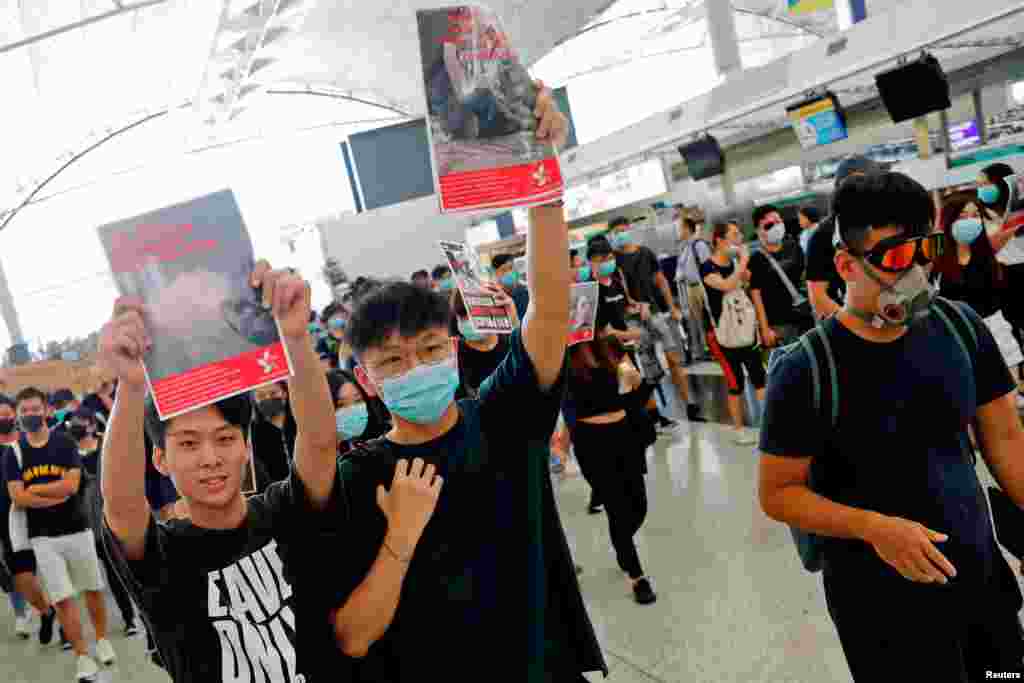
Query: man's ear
point(160, 461)
point(365, 382)
point(845, 265)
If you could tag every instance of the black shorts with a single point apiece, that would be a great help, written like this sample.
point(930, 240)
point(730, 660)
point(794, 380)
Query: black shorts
point(21, 562)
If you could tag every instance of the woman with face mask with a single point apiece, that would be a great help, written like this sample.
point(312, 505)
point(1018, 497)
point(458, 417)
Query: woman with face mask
point(972, 274)
point(358, 416)
point(273, 434)
point(478, 354)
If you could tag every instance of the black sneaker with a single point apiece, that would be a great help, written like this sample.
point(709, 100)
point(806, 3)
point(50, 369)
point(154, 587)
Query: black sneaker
point(46, 627)
point(65, 644)
point(643, 593)
point(130, 629)
point(693, 413)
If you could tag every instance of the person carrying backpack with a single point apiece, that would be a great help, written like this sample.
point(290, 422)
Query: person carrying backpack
point(864, 445)
point(732, 326)
point(693, 251)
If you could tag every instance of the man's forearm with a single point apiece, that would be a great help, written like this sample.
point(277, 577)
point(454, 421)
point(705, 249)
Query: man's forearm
point(54, 489)
point(370, 609)
point(762, 315)
point(1003, 457)
point(662, 282)
point(798, 506)
point(546, 327)
point(316, 443)
point(29, 500)
point(123, 470)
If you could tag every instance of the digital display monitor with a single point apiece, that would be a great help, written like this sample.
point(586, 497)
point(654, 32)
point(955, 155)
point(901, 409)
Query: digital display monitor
point(703, 158)
point(963, 135)
point(818, 121)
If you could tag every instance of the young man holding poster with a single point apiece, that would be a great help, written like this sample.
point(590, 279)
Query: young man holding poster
point(492, 559)
point(216, 589)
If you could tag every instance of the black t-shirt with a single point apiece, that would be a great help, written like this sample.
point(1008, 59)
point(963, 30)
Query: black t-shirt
point(464, 587)
point(521, 298)
point(715, 296)
point(898, 448)
point(778, 302)
point(612, 304)
point(43, 466)
point(273, 449)
point(220, 603)
point(476, 366)
point(821, 256)
point(640, 268)
point(974, 288)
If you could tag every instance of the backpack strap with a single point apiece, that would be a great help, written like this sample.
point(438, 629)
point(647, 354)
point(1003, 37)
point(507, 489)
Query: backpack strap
point(824, 373)
point(958, 324)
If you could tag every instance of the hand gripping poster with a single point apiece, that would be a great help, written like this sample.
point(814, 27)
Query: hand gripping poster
point(480, 114)
point(191, 264)
point(486, 314)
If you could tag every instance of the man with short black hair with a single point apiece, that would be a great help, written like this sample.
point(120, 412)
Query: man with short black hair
point(775, 273)
point(46, 483)
point(825, 288)
point(510, 279)
point(911, 563)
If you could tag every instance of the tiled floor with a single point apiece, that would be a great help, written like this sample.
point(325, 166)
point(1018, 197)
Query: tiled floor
point(733, 605)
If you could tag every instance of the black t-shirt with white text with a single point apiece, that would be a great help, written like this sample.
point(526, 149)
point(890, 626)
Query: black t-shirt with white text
point(777, 299)
point(220, 603)
point(43, 466)
point(612, 304)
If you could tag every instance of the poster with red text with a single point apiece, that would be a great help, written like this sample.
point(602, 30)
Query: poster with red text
point(583, 299)
point(486, 315)
point(191, 264)
point(480, 120)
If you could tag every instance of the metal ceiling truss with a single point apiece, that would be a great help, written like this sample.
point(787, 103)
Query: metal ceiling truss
point(119, 9)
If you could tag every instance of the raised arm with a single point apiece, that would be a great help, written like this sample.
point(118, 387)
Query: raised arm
point(546, 323)
point(123, 341)
point(316, 442)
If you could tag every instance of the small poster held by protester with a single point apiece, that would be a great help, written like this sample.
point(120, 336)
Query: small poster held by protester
point(191, 264)
point(480, 115)
point(486, 314)
point(583, 298)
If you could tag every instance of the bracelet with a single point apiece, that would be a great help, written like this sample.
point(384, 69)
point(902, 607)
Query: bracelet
point(396, 555)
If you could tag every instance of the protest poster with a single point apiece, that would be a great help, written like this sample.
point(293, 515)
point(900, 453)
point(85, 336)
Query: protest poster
point(486, 314)
point(583, 300)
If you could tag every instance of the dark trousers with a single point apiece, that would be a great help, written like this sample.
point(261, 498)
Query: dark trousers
point(922, 638)
point(117, 589)
point(611, 459)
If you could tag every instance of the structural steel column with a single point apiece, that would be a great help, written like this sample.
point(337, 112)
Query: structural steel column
point(722, 30)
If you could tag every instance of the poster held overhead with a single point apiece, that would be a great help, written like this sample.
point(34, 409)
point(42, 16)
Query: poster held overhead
point(486, 314)
point(191, 264)
point(583, 299)
point(481, 123)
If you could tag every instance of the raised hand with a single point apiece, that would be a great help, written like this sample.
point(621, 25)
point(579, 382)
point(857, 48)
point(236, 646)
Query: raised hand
point(287, 296)
point(552, 125)
point(124, 340)
point(409, 504)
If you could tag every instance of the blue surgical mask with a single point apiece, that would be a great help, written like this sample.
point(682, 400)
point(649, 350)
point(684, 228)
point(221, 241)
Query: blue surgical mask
point(966, 230)
point(606, 269)
point(510, 279)
point(468, 332)
point(337, 324)
point(446, 285)
point(351, 421)
point(423, 394)
point(988, 194)
point(583, 274)
point(775, 234)
point(623, 239)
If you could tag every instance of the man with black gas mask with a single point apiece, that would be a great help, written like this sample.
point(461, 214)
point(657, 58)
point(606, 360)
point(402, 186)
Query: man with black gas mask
point(911, 564)
point(273, 432)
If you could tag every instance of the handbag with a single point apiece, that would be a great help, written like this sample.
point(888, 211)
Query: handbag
point(801, 304)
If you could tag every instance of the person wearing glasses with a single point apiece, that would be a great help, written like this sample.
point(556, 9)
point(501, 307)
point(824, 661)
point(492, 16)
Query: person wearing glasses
point(911, 563)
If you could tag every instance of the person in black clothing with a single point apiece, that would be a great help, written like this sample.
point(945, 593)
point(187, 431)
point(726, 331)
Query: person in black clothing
point(273, 434)
point(360, 417)
point(825, 288)
point(969, 273)
point(82, 428)
point(478, 355)
point(779, 320)
point(911, 564)
point(505, 271)
point(62, 403)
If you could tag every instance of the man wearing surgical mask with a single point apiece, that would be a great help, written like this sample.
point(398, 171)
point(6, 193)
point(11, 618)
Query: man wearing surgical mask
point(897, 498)
point(273, 434)
point(780, 323)
point(442, 279)
point(510, 279)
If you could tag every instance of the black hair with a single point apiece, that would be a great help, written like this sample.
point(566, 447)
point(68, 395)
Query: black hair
point(691, 224)
point(420, 273)
point(812, 213)
point(616, 222)
point(29, 393)
point(440, 272)
point(84, 414)
point(886, 199)
point(599, 246)
point(6, 400)
point(762, 211)
point(62, 396)
point(500, 260)
point(396, 307)
point(236, 411)
point(997, 174)
point(331, 310)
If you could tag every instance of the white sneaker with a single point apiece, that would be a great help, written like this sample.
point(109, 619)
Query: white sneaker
point(105, 652)
point(87, 669)
point(743, 437)
point(23, 627)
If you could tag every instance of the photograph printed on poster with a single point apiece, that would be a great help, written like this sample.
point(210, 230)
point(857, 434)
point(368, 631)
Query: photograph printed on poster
point(486, 315)
point(583, 299)
point(480, 113)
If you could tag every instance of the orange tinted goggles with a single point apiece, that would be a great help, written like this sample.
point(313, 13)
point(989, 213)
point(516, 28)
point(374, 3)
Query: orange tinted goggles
point(898, 254)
